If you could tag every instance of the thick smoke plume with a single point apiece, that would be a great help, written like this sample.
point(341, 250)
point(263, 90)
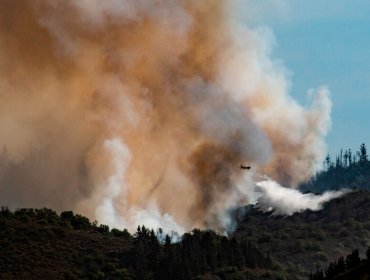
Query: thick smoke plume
point(136, 111)
point(283, 201)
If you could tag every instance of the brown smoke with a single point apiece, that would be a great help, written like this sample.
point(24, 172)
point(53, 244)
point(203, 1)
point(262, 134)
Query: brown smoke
point(135, 111)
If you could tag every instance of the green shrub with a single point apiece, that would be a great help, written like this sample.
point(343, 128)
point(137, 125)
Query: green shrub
point(77, 221)
point(320, 256)
point(344, 233)
point(311, 246)
point(265, 237)
point(121, 233)
point(320, 235)
point(103, 228)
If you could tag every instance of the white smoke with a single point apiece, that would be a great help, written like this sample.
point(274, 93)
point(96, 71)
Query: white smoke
point(153, 218)
point(285, 201)
point(114, 184)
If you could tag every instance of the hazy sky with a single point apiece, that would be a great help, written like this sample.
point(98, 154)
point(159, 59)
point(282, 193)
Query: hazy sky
point(324, 43)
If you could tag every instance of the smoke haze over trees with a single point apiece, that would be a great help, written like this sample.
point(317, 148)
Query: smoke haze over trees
point(40, 244)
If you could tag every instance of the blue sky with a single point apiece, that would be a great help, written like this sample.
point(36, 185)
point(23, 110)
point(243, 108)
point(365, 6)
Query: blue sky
point(323, 43)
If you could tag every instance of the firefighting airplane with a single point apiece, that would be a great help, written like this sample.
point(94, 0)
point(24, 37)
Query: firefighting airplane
point(245, 167)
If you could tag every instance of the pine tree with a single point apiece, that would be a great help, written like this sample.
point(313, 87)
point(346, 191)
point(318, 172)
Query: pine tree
point(353, 259)
point(363, 153)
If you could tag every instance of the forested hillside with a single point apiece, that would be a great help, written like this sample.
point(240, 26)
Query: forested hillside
point(348, 170)
point(351, 267)
point(40, 244)
point(306, 241)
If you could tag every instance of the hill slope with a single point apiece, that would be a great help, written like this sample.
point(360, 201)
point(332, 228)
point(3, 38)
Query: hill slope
point(349, 170)
point(39, 244)
point(305, 241)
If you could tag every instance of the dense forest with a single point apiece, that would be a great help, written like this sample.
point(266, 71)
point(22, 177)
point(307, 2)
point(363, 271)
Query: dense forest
point(351, 267)
point(305, 241)
point(40, 244)
point(349, 170)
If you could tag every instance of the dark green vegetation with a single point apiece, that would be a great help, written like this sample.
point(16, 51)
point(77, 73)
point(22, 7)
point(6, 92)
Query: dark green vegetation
point(306, 241)
point(348, 170)
point(40, 244)
point(351, 267)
